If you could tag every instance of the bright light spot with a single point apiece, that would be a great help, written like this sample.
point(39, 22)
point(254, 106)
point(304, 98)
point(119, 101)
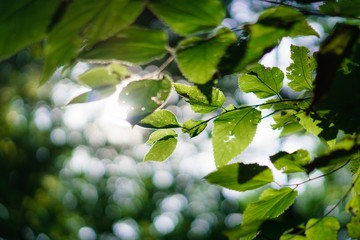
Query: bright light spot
point(165, 223)
point(58, 136)
point(42, 119)
point(233, 219)
point(127, 229)
point(87, 233)
point(199, 227)
point(174, 203)
point(163, 179)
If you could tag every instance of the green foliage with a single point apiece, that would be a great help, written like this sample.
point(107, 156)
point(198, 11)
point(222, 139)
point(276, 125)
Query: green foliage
point(325, 228)
point(151, 94)
point(198, 101)
point(291, 162)
point(198, 58)
point(184, 16)
point(194, 127)
point(233, 132)
point(94, 22)
point(163, 143)
point(30, 27)
point(241, 177)
point(263, 82)
point(160, 119)
point(102, 34)
point(300, 72)
point(133, 44)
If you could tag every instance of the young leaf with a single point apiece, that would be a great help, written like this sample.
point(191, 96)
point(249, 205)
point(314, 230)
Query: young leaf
point(322, 229)
point(198, 101)
point(198, 58)
point(263, 82)
point(187, 16)
point(99, 76)
point(20, 27)
point(233, 131)
point(194, 127)
point(310, 124)
point(133, 44)
point(301, 70)
point(353, 207)
point(241, 177)
point(271, 204)
point(94, 94)
point(272, 25)
point(163, 144)
point(160, 119)
point(291, 162)
point(283, 118)
point(94, 22)
point(246, 231)
point(143, 97)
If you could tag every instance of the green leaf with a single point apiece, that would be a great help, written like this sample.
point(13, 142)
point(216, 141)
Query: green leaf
point(233, 131)
point(291, 162)
point(99, 76)
point(293, 237)
point(23, 23)
point(272, 25)
point(163, 145)
point(322, 229)
point(291, 128)
point(161, 134)
point(336, 47)
point(271, 204)
point(341, 8)
point(198, 58)
point(160, 119)
point(187, 16)
point(194, 127)
point(93, 22)
point(353, 207)
point(198, 101)
point(133, 44)
point(245, 231)
point(301, 70)
point(310, 124)
point(263, 82)
point(284, 118)
point(241, 177)
point(143, 97)
point(94, 95)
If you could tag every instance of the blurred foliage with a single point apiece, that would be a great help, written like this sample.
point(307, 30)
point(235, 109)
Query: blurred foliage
point(59, 181)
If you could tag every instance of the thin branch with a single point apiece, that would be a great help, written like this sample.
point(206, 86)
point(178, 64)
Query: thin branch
point(314, 178)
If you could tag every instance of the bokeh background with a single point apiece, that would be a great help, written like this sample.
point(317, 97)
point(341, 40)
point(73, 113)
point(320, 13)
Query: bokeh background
point(76, 172)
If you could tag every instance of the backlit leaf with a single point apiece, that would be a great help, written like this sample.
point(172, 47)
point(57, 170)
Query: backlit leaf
point(271, 204)
point(94, 94)
point(99, 76)
point(263, 82)
point(143, 97)
point(198, 58)
point(160, 119)
point(163, 144)
point(272, 25)
point(188, 16)
point(194, 127)
point(246, 231)
point(291, 162)
point(233, 131)
point(93, 22)
point(197, 100)
point(322, 229)
point(133, 44)
point(301, 70)
point(241, 177)
point(20, 27)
